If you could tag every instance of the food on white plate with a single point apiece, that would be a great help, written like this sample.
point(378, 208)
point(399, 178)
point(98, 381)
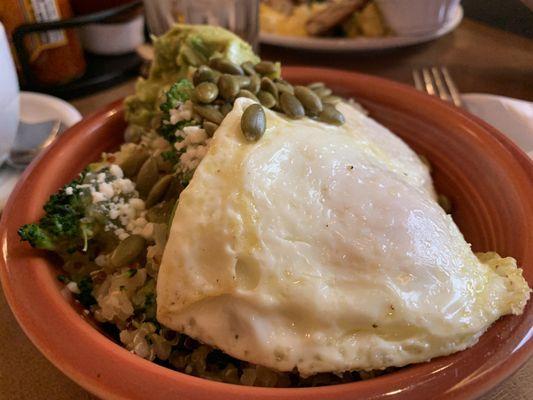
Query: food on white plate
point(254, 232)
point(342, 18)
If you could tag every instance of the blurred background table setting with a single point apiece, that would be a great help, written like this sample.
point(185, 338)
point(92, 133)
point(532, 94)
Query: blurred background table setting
point(61, 60)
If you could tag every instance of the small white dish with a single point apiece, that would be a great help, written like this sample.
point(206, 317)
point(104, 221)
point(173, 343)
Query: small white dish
point(512, 117)
point(38, 107)
point(331, 44)
point(34, 108)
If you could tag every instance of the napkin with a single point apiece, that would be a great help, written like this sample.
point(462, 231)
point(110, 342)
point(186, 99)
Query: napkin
point(510, 116)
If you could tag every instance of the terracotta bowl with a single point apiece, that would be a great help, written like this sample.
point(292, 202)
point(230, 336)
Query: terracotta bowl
point(488, 179)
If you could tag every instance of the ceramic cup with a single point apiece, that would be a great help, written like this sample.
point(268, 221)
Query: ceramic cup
point(9, 97)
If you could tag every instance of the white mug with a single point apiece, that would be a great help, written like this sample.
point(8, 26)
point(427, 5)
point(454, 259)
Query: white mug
point(9, 97)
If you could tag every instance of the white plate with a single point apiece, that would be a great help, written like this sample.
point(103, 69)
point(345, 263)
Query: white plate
point(38, 107)
point(359, 44)
point(512, 117)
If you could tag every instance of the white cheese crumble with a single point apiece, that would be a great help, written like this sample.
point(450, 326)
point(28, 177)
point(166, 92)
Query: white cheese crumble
point(116, 196)
point(73, 287)
point(182, 113)
point(69, 191)
point(192, 157)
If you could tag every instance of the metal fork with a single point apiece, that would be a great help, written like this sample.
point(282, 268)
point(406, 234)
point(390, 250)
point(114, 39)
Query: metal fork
point(436, 81)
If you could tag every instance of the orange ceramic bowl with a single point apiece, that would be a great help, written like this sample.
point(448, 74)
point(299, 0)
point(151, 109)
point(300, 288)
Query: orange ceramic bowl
point(488, 179)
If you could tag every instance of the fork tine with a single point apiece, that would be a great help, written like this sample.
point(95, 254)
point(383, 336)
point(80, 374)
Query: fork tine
point(454, 92)
point(442, 91)
point(418, 80)
point(428, 83)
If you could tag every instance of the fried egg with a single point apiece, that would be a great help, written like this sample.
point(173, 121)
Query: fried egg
point(322, 248)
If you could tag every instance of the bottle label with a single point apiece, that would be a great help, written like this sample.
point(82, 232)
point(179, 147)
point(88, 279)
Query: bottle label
point(43, 11)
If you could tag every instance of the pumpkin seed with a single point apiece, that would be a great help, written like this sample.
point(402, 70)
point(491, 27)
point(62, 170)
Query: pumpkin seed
point(265, 68)
point(248, 94)
point(248, 68)
point(283, 88)
point(316, 85)
point(254, 85)
point(445, 203)
point(206, 92)
point(210, 128)
point(332, 99)
point(242, 81)
point(331, 115)
point(174, 190)
point(291, 105)
point(205, 74)
point(225, 66)
point(253, 122)
point(158, 191)
point(160, 213)
point(269, 86)
point(164, 165)
point(147, 176)
point(266, 99)
point(309, 99)
point(226, 108)
point(128, 250)
point(131, 164)
point(209, 113)
point(133, 134)
point(228, 87)
point(323, 92)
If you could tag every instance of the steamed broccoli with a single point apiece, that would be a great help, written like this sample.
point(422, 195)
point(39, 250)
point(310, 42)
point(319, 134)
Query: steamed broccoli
point(178, 93)
point(62, 229)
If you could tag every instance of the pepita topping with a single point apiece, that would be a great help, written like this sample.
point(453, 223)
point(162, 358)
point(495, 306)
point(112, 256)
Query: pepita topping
point(216, 85)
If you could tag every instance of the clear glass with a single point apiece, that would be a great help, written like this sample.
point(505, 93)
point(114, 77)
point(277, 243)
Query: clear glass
point(238, 16)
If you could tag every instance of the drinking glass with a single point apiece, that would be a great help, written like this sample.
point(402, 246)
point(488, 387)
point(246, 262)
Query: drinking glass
point(239, 16)
point(9, 97)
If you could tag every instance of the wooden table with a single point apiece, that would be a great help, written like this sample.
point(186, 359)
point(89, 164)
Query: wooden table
point(480, 58)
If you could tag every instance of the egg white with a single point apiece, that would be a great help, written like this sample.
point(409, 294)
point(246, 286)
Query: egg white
point(323, 248)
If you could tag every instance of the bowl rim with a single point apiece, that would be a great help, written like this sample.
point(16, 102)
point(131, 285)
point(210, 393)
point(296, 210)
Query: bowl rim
point(470, 387)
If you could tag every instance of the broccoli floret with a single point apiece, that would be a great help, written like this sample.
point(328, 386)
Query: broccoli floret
point(85, 297)
point(178, 93)
point(62, 229)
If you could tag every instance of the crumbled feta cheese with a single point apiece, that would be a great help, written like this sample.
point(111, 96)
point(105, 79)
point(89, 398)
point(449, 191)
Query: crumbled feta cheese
point(73, 287)
point(138, 204)
point(121, 233)
point(97, 197)
point(116, 171)
point(182, 113)
point(148, 231)
point(69, 191)
point(124, 186)
point(192, 157)
point(106, 189)
point(191, 135)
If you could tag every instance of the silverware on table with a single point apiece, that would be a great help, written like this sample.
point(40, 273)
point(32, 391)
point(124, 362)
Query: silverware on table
point(31, 139)
point(436, 81)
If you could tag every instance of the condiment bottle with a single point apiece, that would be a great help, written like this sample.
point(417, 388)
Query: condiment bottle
point(55, 56)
